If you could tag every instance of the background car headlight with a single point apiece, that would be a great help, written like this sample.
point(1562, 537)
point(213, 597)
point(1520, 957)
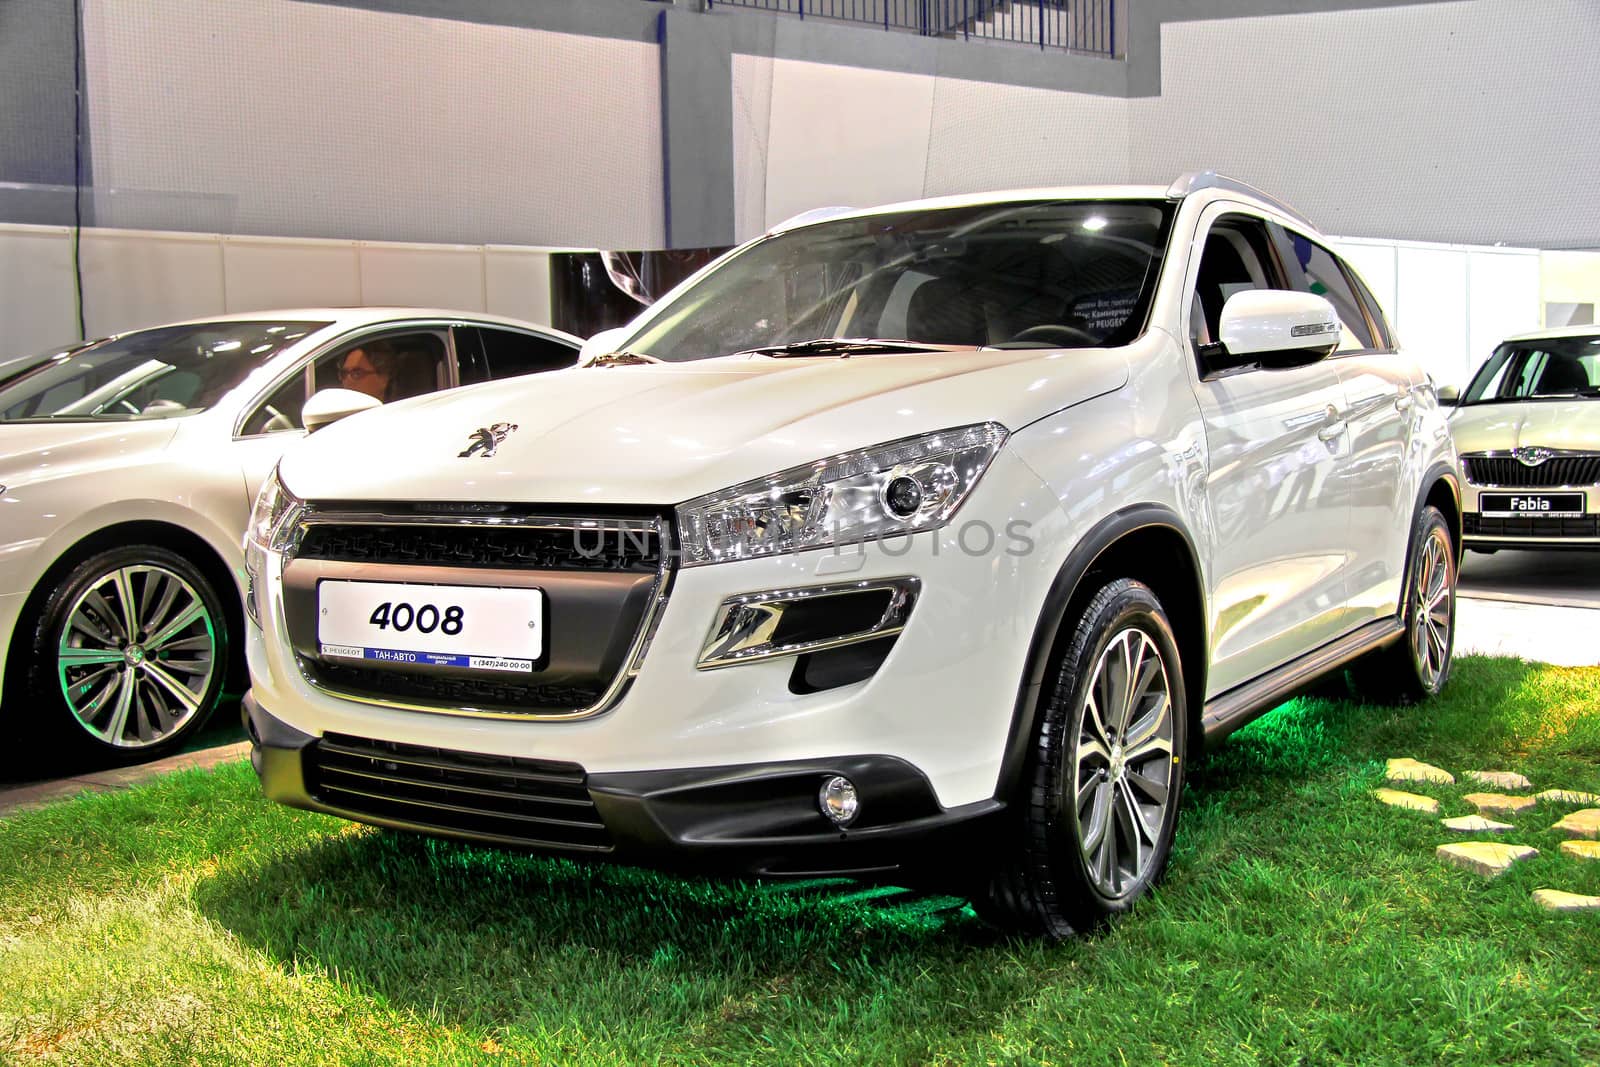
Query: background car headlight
point(271, 523)
point(895, 488)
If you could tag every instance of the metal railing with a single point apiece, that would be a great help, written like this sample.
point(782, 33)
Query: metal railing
point(1071, 25)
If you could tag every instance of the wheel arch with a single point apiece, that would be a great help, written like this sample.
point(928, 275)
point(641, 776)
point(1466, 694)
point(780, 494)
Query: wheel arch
point(1145, 542)
point(1440, 489)
point(185, 542)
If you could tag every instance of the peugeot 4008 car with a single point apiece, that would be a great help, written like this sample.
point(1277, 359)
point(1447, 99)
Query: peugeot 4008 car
point(925, 544)
point(1528, 427)
point(127, 471)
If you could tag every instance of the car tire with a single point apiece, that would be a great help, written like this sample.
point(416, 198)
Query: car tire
point(129, 656)
point(1418, 665)
point(1093, 823)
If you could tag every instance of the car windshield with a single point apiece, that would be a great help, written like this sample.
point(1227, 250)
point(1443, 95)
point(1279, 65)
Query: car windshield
point(149, 374)
point(1559, 367)
point(1049, 274)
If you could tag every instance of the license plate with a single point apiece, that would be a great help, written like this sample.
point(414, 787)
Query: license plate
point(485, 628)
point(1531, 505)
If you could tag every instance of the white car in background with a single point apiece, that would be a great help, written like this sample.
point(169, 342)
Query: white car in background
point(127, 469)
point(1528, 429)
point(925, 544)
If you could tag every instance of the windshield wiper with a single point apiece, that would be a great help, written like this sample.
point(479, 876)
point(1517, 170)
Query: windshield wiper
point(843, 346)
point(621, 359)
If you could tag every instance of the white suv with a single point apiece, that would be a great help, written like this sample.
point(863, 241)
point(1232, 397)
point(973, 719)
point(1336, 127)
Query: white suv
point(924, 544)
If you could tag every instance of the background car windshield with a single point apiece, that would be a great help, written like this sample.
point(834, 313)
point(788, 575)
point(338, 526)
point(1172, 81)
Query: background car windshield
point(1054, 274)
point(151, 374)
point(1527, 370)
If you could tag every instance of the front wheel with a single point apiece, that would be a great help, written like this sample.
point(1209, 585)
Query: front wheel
point(130, 654)
point(1417, 666)
point(1095, 823)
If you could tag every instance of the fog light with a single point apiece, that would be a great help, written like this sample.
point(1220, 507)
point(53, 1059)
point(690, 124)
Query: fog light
point(838, 801)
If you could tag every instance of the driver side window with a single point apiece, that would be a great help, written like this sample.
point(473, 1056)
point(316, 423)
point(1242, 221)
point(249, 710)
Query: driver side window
point(389, 367)
point(1237, 256)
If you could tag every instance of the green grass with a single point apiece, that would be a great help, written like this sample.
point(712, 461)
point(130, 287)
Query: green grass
point(190, 921)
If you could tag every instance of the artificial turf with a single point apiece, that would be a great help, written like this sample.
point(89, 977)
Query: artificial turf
point(191, 921)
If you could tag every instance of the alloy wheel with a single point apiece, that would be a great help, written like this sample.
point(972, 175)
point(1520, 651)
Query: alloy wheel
point(1122, 785)
point(136, 656)
point(1433, 613)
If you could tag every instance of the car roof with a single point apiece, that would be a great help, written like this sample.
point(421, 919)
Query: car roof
point(345, 318)
point(1557, 331)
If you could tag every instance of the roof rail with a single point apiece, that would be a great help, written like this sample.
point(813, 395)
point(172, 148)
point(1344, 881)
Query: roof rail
point(816, 214)
point(1196, 180)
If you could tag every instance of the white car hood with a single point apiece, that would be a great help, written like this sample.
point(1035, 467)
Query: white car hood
point(662, 434)
point(1564, 424)
point(38, 451)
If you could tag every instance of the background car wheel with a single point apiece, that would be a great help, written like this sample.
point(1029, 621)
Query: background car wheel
point(1418, 665)
point(129, 656)
point(1094, 824)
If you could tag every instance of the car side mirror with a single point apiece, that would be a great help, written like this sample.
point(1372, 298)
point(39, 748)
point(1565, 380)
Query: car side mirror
point(328, 406)
point(1276, 329)
point(601, 343)
point(1449, 396)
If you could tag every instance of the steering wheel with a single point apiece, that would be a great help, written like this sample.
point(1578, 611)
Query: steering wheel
point(1068, 336)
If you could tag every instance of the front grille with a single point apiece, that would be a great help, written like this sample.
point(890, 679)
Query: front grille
point(538, 803)
point(1514, 474)
point(495, 547)
point(1480, 526)
point(451, 691)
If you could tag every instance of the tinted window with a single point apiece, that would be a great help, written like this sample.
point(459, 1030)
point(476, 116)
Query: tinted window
point(390, 368)
point(510, 353)
point(1237, 256)
point(1317, 270)
point(161, 373)
point(1073, 272)
point(1385, 337)
point(1559, 367)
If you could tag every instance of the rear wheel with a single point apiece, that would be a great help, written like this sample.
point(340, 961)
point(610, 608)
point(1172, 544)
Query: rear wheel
point(129, 657)
point(1418, 666)
point(1094, 827)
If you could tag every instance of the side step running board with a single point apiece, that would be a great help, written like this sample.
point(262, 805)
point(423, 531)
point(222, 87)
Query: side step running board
point(1228, 711)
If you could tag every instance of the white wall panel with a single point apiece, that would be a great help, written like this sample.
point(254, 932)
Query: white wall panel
point(1502, 300)
point(422, 276)
point(872, 148)
point(322, 120)
point(517, 283)
point(132, 280)
point(752, 129)
point(1466, 122)
point(38, 308)
point(263, 272)
point(1432, 313)
point(986, 136)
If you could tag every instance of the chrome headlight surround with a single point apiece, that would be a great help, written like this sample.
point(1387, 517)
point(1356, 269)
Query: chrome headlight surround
point(271, 525)
point(901, 487)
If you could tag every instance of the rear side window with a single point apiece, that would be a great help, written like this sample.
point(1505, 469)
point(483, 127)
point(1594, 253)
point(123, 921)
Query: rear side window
point(1314, 269)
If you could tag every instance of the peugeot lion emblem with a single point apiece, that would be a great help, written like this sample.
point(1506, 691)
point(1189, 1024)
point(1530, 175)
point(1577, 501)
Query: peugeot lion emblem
point(487, 439)
point(1531, 457)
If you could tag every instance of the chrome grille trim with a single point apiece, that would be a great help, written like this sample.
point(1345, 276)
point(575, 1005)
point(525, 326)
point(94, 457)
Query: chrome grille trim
point(1501, 469)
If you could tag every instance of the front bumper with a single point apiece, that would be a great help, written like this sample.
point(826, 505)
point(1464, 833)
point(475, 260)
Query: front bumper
point(758, 820)
point(1534, 532)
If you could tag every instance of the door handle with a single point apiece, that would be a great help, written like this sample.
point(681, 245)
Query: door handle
point(1404, 403)
point(1333, 431)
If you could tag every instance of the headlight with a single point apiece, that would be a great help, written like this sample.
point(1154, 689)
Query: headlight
point(896, 488)
point(271, 523)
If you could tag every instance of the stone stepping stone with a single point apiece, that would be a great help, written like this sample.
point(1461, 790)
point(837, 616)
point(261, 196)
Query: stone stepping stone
point(1500, 779)
point(1567, 796)
point(1409, 770)
point(1581, 850)
point(1488, 858)
point(1396, 799)
point(1475, 824)
point(1556, 900)
point(1499, 803)
point(1585, 823)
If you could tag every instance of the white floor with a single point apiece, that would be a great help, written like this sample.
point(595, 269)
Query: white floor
point(1548, 633)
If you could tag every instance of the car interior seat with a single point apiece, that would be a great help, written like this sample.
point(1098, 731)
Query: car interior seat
point(943, 311)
